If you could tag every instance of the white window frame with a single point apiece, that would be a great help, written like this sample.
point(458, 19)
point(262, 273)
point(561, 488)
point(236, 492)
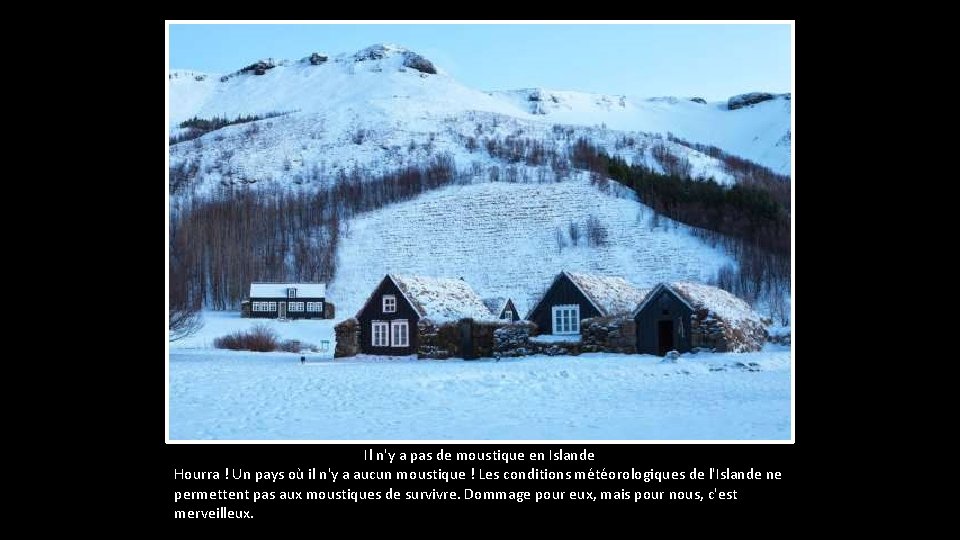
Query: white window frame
point(507, 315)
point(393, 299)
point(295, 306)
point(385, 334)
point(256, 306)
point(401, 339)
point(291, 292)
point(313, 306)
point(271, 306)
point(568, 322)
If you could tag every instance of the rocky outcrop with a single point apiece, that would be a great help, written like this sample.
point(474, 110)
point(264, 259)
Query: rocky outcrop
point(745, 100)
point(415, 61)
point(317, 59)
point(699, 100)
point(259, 68)
point(411, 59)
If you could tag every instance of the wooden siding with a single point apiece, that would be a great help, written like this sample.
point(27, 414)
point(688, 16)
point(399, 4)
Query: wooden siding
point(373, 311)
point(511, 308)
point(562, 291)
point(664, 306)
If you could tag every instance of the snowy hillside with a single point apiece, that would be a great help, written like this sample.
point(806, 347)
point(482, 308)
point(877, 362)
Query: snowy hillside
point(501, 238)
point(758, 133)
point(309, 151)
point(381, 108)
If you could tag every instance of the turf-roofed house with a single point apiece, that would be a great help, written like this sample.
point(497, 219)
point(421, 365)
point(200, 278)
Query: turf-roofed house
point(426, 316)
point(287, 301)
point(573, 297)
point(683, 315)
point(503, 308)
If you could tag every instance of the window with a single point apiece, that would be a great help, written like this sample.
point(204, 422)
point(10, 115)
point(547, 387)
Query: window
point(400, 332)
point(379, 336)
point(566, 319)
point(291, 293)
point(271, 306)
point(296, 306)
point(314, 306)
point(507, 314)
point(389, 303)
point(257, 307)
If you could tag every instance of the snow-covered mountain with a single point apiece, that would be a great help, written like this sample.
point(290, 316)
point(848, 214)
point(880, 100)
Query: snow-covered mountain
point(386, 107)
point(510, 226)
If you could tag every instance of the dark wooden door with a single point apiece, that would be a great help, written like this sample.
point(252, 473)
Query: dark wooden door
point(466, 339)
point(664, 337)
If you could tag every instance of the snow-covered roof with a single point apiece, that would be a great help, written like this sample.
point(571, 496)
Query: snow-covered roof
point(496, 305)
point(698, 296)
point(610, 295)
point(442, 299)
point(279, 290)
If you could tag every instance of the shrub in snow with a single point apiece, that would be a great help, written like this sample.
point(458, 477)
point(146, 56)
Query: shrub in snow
point(260, 338)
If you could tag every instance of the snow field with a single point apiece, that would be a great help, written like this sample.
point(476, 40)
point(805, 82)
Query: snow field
point(238, 396)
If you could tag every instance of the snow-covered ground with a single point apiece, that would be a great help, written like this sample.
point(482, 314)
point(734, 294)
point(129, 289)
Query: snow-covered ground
point(220, 323)
point(239, 396)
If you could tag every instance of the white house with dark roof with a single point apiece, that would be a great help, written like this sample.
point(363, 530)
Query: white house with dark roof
point(286, 301)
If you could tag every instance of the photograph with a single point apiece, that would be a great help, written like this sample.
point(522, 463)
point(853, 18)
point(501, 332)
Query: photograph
point(511, 231)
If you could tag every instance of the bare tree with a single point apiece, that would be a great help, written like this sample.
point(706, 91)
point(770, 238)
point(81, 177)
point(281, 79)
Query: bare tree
point(184, 322)
point(596, 232)
point(558, 235)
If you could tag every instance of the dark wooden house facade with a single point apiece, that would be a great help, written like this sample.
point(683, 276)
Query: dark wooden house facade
point(286, 301)
point(573, 297)
point(684, 315)
point(503, 309)
point(404, 314)
point(388, 321)
point(663, 322)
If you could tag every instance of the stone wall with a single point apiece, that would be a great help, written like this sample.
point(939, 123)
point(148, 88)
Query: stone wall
point(609, 334)
point(513, 339)
point(445, 340)
point(708, 332)
point(521, 339)
point(437, 341)
point(348, 338)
